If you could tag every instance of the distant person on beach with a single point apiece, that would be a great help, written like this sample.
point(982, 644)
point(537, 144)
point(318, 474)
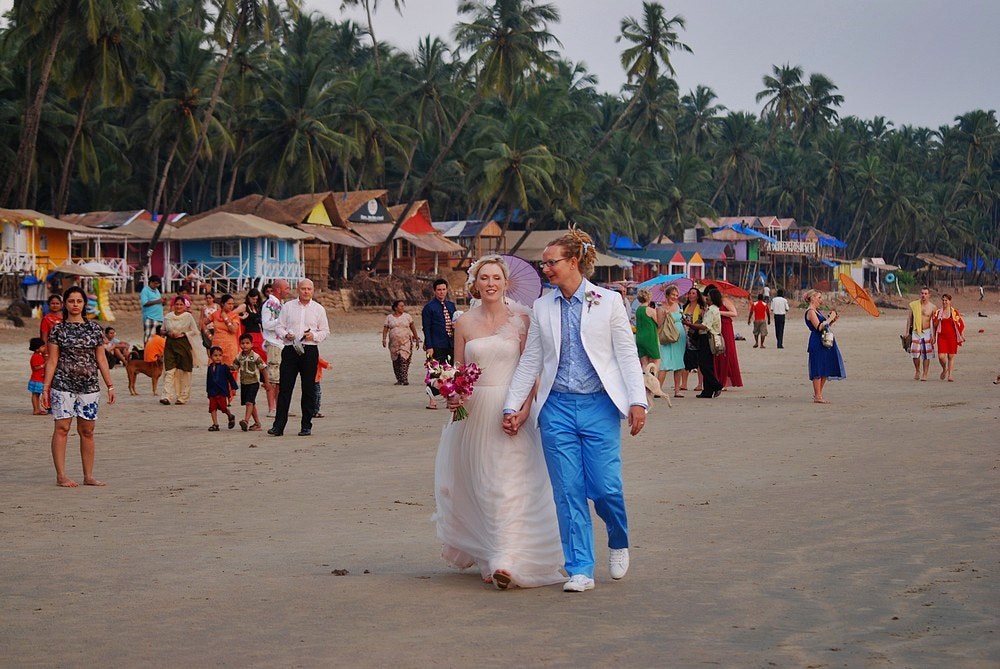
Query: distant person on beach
point(694, 312)
point(219, 384)
point(825, 362)
point(779, 309)
point(982, 293)
point(71, 386)
point(152, 302)
point(35, 382)
point(727, 365)
point(439, 330)
point(949, 328)
point(49, 320)
point(269, 315)
point(760, 314)
point(399, 335)
point(918, 324)
point(181, 353)
point(303, 325)
point(252, 372)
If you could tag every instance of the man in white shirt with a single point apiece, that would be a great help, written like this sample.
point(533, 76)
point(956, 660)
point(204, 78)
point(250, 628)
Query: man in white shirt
point(269, 314)
point(779, 307)
point(302, 325)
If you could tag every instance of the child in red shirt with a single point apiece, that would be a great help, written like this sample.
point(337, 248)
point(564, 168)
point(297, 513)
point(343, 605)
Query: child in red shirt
point(321, 364)
point(37, 362)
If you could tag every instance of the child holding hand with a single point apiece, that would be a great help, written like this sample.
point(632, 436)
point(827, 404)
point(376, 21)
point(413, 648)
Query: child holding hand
point(218, 384)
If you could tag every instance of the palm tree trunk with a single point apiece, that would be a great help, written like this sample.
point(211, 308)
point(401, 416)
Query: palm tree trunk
point(163, 181)
point(371, 33)
point(529, 225)
point(25, 158)
point(62, 195)
point(202, 134)
point(435, 166)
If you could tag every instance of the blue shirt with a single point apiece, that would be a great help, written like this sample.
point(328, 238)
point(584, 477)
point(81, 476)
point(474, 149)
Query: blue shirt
point(575, 374)
point(154, 312)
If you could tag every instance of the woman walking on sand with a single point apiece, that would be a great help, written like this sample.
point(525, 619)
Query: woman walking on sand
point(399, 335)
point(72, 386)
point(948, 334)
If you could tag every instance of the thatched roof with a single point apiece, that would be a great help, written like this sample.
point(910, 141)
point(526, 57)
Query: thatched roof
point(258, 205)
point(104, 219)
point(222, 225)
point(939, 260)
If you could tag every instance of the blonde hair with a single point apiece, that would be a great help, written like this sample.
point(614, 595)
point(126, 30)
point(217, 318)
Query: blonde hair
point(809, 294)
point(644, 296)
point(470, 284)
point(579, 245)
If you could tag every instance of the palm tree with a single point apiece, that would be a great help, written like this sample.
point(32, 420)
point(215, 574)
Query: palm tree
point(371, 6)
point(43, 25)
point(702, 115)
point(245, 19)
point(820, 99)
point(785, 95)
point(652, 40)
point(105, 64)
point(506, 44)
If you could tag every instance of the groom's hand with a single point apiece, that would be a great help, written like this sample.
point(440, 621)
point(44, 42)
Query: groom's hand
point(636, 419)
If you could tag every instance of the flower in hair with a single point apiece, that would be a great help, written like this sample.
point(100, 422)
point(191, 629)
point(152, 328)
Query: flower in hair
point(592, 297)
point(587, 245)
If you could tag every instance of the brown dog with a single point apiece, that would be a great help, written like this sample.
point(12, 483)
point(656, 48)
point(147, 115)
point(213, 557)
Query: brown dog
point(151, 369)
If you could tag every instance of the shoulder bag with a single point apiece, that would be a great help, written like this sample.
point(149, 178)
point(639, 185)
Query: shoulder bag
point(669, 334)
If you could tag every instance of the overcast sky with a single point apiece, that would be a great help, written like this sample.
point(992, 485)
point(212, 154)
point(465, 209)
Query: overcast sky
point(916, 62)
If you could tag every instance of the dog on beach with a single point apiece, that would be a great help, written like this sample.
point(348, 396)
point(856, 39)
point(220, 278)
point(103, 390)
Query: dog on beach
point(138, 366)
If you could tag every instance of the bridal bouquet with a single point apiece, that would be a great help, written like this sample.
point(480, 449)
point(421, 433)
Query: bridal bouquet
point(451, 381)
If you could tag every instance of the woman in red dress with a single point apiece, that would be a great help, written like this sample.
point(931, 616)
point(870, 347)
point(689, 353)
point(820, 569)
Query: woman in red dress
point(948, 327)
point(727, 365)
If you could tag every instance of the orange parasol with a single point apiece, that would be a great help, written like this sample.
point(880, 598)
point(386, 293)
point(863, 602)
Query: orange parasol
point(859, 295)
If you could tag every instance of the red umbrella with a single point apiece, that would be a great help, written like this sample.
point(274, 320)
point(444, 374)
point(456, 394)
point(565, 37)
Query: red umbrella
point(726, 288)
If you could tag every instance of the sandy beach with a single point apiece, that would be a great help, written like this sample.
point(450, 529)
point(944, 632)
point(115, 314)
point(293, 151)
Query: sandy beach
point(767, 531)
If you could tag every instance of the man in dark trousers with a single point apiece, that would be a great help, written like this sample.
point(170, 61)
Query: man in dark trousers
point(439, 330)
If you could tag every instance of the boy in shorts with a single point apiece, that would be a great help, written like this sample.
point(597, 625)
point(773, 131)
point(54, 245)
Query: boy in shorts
point(220, 380)
point(253, 372)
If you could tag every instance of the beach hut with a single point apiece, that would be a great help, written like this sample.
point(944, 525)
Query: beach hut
point(235, 251)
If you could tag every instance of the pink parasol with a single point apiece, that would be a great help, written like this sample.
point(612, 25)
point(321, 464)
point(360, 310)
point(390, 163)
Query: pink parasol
point(524, 285)
point(658, 292)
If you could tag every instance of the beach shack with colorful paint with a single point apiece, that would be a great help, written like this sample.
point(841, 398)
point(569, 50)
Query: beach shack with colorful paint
point(234, 252)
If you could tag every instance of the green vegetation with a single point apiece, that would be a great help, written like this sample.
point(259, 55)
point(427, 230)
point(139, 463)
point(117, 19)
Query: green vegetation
point(180, 105)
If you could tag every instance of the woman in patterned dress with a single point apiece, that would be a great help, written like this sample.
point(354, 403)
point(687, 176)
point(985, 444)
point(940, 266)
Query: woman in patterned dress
point(399, 335)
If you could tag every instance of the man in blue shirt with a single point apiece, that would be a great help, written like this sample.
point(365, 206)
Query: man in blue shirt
point(439, 331)
point(152, 307)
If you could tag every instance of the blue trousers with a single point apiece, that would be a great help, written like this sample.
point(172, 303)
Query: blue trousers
point(581, 439)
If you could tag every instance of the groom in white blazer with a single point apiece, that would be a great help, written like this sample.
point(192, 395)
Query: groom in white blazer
point(581, 350)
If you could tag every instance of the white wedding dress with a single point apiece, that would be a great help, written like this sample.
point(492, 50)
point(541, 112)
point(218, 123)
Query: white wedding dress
point(494, 499)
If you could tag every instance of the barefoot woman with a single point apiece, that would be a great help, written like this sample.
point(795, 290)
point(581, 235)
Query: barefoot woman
point(72, 387)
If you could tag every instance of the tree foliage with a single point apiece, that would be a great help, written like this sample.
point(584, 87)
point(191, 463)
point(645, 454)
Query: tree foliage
point(127, 104)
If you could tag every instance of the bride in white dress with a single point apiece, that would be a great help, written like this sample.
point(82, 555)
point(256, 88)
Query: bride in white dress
point(494, 499)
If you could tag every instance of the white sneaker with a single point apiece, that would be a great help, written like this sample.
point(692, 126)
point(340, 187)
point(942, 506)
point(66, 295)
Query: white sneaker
point(618, 562)
point(270, 413)
point(578, 583)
